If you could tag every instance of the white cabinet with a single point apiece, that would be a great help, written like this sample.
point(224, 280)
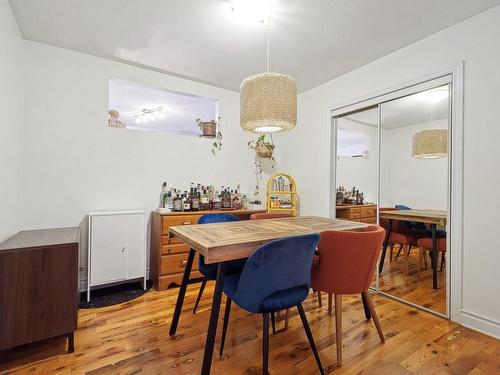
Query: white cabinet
point(117, 247)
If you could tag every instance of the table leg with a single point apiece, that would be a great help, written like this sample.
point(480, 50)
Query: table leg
point(214, 317)
point(434, 257)
point(386, 243)
point(182, 293)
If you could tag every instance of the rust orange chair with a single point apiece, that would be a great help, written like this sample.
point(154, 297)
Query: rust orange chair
point(347, 263)
point(425, 244)
point(264, 216)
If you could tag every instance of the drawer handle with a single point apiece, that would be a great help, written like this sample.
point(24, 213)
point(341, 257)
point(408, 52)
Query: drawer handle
point(184, 262)
point(187, 223)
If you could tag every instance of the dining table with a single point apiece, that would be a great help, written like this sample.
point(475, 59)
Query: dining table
point(431, 217)
point(220, 243)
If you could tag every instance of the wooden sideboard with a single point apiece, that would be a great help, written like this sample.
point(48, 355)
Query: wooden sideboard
point(169, 254)
point(364, 213)
point(39, 286)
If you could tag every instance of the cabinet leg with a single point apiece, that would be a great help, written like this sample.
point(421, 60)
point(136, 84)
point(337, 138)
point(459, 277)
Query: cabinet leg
point(71, 342)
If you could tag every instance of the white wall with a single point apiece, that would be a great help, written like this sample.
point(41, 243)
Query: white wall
point(11, 123)
point(75, 163)
point(476, 41)
point(417, 183)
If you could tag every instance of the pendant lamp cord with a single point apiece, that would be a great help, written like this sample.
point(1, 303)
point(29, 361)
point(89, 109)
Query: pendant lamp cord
point(268, 61)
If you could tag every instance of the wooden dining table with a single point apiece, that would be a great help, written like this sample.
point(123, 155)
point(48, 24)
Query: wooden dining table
point(431, 217)
point(220, 243)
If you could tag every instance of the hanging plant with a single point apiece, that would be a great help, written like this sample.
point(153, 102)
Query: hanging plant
point(263, 150)
point(211, 129)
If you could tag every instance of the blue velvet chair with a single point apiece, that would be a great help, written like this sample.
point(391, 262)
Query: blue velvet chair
point(276, 276)
point(209, 271)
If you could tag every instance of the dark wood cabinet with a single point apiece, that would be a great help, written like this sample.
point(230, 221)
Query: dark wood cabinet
point(38, 286)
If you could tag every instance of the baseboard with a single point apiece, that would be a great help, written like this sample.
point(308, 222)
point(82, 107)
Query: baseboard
point(83, 280)
point(480, 323)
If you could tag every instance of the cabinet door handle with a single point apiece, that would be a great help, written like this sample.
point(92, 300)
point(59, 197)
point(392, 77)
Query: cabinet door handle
point(187, 223)
point(184, 262)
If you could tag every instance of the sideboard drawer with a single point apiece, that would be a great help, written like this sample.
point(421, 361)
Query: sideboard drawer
point(354, 215)
point(367, 212)
point(170, 264)
point(174, 249)
point(172, 221)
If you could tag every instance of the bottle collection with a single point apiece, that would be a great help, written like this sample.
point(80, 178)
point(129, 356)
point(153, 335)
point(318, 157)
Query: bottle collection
point(201, 198)
point(352, 197)
point(280, 185)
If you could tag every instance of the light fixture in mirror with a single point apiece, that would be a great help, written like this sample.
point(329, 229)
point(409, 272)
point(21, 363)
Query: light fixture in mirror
point(430, 144)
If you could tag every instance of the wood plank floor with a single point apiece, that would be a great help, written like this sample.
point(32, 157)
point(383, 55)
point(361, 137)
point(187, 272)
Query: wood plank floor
point(394, 281)
point(132, 338)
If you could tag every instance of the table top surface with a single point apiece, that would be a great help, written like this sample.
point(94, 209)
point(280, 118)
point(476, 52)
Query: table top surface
point(41, 238)
point(238, 239)
point(422, 216)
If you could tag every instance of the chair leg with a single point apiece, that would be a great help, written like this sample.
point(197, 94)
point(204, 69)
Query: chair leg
point(368, 315)
point(310, 337)
point(374, 315)
point(338, 327)
point(265, 344)
point(442, 262)
point(200, 293)
point(320, 300)
point(224, 327)
point(329, 303)
point(421, 254)
point(287, 318)
point(399, 252)
point(273, 322)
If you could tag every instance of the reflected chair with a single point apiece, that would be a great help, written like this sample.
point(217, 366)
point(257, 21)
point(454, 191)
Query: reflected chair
point(264, 216)
point(425, 244)
point(348, 260)
point(209, 271)
point(276, 276)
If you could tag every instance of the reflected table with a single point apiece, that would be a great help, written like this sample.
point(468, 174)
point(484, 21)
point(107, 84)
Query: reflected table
point(432, 217)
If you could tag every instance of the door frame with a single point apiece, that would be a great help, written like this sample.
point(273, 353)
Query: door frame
point(455, 183)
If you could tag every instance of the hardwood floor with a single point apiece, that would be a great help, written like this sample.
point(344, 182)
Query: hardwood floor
point(133, 338)
point(394, 281)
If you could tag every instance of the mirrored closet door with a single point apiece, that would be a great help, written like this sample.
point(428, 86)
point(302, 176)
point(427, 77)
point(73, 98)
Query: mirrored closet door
point(392, 167)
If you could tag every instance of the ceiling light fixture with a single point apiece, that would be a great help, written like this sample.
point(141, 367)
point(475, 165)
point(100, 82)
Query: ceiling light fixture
point(251, 10)
point(148, 115)
point(268, 101)
point(430, 144)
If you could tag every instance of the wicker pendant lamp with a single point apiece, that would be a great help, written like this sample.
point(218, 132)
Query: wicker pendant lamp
point(430, 144)
point(268, 101)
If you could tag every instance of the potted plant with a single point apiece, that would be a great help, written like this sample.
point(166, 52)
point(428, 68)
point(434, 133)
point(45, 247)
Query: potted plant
point(211, 129)
point(208, 128)
point(262, 148)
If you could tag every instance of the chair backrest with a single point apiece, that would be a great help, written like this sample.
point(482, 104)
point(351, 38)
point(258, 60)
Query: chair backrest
point(209, 219)
point(217, 218)
point(264, 215)
point(276, 266)
point(410, 224)
point(347, 260)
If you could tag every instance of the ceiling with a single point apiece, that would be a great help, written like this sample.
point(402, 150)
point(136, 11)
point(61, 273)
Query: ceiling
point(426, 106)
point(180, 110)
point(313, 41)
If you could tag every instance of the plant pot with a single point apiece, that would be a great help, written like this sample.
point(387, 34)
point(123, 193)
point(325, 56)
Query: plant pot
point(264, 150)
point(209, 129)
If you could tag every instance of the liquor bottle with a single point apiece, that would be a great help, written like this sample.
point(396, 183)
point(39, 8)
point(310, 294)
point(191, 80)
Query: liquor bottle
point(169, 202)
point(204, 201)
point(211, 198)
point(195, 201)
point(358, 197)
point(163, 195)
point(236, 202)
point(226, 199)
point(217, 201)
point(186, 204)
point(177, 203)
